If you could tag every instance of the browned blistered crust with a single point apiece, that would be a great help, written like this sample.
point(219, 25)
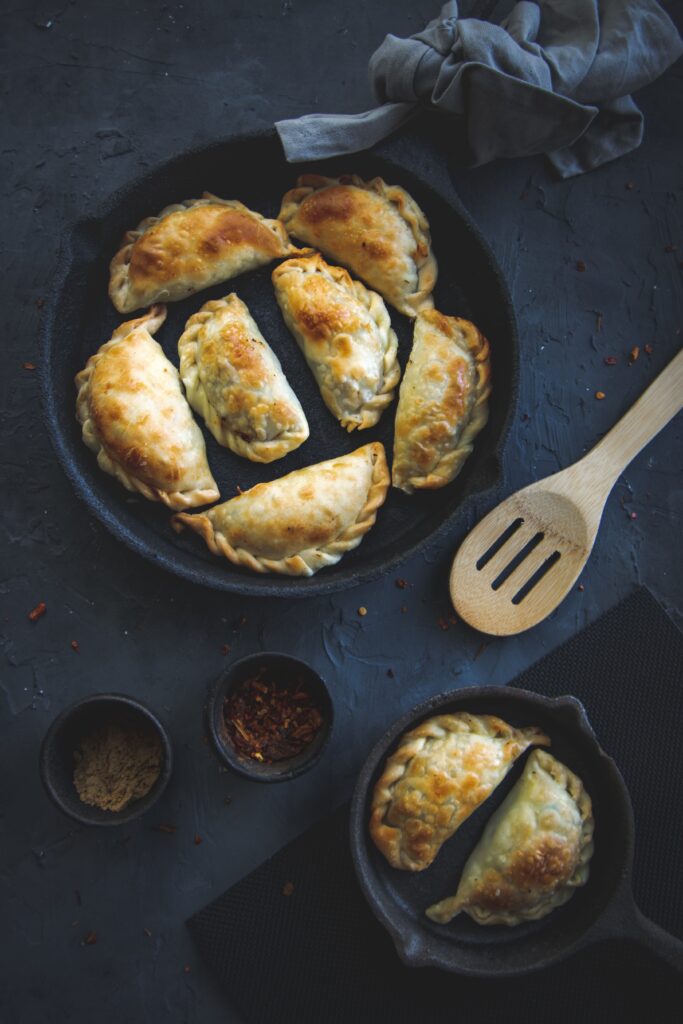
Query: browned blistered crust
point(376, 230)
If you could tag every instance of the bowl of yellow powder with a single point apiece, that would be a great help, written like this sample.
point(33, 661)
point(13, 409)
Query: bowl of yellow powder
point(106, 759)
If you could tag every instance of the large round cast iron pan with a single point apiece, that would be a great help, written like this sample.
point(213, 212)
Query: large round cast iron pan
point(604, 908)
point(79, 318)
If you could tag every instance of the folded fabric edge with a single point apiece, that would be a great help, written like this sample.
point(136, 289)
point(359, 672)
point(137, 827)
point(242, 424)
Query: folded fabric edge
point(319, 136)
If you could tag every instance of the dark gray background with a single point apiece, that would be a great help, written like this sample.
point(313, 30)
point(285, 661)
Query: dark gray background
point(93, 93)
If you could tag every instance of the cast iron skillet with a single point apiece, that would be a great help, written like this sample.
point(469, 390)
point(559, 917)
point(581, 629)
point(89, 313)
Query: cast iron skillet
point(604, 908)
point(79, 317)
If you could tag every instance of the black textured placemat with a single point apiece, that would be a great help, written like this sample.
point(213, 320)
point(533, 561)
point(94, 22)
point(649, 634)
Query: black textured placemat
point(314, 952)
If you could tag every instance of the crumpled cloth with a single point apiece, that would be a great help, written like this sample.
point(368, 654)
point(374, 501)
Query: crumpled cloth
point(554, 77)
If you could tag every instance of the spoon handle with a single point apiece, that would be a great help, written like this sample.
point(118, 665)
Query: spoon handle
point(653, 410)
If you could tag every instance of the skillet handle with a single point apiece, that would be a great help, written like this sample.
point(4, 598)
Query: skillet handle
point(665, 946)
point(625, 921)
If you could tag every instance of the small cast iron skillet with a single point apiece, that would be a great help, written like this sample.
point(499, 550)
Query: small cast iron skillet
point(604, 908)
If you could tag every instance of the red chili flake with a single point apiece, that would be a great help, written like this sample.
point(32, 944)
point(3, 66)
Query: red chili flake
point(581, 587)
point(598, 321)
point(269, 721)
point(648, 349)
point(580, 266)
point(147, 932)
point(669, 247)
point(404, 609)
point(633, 354)
point(165, 828)
point(39, 610)
point(634, 515)
point(288, 889)
point(187, 968)
point(442, 623)
point(481, 650)
point(75, 647)
point(390, 673)
point(40, 303)
point(610, 360)
point(198, 840)
point(401, 583)
point(29, 366)
point(630, 185)
point(225, 649)
point(90, 939)
point(599, 395)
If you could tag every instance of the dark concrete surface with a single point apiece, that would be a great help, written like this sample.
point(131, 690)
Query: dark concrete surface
point(93, 93)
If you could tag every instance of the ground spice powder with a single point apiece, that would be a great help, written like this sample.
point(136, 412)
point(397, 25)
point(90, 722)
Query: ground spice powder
point(115, 764)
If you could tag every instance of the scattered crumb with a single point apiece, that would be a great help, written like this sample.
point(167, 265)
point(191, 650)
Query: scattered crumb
point(288, 889)
point(581, 587)
point(29, 366)
point(669, 247)
point(610, 360)
point(401, 583)
point(630, 185)
point(634, 515)
point(147, 932)
point(165, 828)
point(75, 647)
point(225, 649)
point(187, 968)
point(362, 611)
point(198, 840)
point(38, 611)
point(90, 939)
point(648, 350)
point(580, 266)
point(599, 395)
point(633, 354)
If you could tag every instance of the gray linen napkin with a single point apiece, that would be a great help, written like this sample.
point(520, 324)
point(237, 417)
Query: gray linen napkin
point(554, 77)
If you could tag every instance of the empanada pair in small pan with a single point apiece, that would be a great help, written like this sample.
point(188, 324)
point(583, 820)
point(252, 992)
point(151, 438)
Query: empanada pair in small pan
point(536, 847)
point(136, 419)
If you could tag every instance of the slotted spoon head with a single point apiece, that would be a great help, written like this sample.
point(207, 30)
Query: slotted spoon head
point(520, 561)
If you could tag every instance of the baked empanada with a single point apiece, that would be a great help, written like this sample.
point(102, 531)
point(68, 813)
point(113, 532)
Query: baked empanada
point(301, 522)
point(438, 775)
point(345, 333)
point(376, 230)
point(534, 852)
point(190, 246)
point(135, 418)
point(235, 381)
point(443, 401)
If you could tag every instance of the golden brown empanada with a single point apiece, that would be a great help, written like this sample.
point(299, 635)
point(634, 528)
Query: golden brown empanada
point(438, 775)
point(534, 852)
point(190, 246)
point(136, 419)
point(376, 230)
point(443, 401)
point(345, 333)
point(301, 522)
point(235, 381)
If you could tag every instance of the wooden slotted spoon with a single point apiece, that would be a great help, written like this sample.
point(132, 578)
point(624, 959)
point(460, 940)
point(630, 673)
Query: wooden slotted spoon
point(521, 560)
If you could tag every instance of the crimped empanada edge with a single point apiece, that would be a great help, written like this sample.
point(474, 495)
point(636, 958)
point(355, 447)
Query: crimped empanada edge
point(306, 562)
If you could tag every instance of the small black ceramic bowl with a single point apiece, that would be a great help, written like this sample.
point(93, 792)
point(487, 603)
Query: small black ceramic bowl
point(57, 760)
point(277, 668)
